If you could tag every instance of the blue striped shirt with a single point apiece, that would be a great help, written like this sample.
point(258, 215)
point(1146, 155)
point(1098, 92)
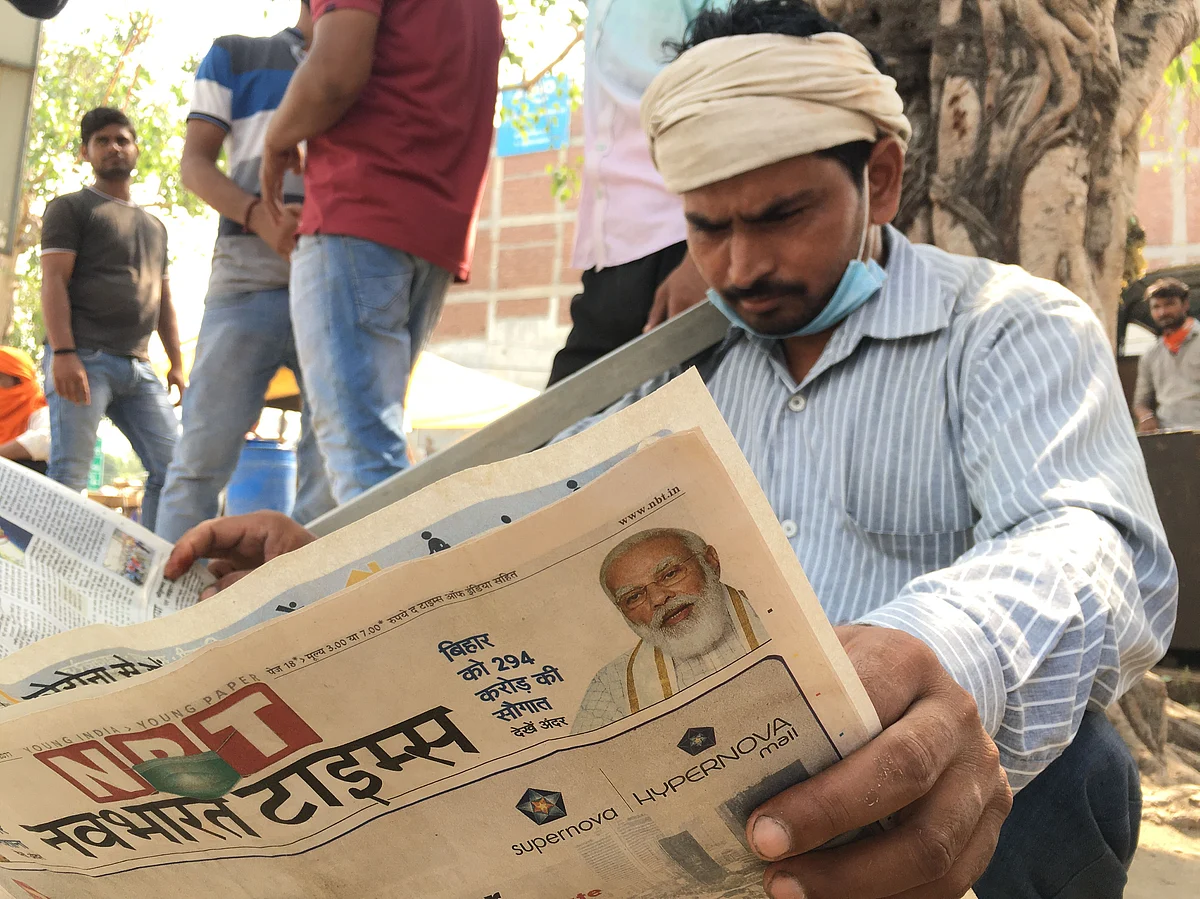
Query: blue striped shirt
point(960, 465)
point(239, 85)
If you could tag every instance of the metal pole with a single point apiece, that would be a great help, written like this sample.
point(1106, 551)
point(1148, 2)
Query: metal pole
point(525, 429)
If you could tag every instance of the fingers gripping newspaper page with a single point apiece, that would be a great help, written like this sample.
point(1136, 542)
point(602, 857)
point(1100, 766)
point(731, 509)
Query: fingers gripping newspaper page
point(66, 563)
point(589, 700)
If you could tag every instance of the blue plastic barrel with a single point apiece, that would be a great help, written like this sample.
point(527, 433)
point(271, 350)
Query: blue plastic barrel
point(265, 479)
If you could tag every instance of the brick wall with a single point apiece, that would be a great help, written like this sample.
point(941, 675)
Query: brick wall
point(514, 314)
point(1168, 197)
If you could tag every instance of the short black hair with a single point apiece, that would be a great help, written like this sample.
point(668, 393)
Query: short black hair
point(794, 18)
point(99, 119)
point(1170, 288)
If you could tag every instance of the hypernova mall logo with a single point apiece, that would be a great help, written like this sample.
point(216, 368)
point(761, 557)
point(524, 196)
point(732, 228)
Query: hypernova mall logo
point(697, 740)
point(542, 806)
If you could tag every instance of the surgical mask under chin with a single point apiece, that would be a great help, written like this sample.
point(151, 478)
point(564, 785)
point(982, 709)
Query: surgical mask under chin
point(861, 281)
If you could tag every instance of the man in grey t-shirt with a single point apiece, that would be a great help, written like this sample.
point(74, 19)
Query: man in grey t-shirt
point(104, 292)
point(246, 334)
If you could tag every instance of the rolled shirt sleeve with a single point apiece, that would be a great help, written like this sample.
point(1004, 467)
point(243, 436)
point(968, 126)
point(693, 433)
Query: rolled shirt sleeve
point(36, 440)
point(1069, 593)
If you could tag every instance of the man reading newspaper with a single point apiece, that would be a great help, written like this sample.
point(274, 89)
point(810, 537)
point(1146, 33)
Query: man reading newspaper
point(945, 444)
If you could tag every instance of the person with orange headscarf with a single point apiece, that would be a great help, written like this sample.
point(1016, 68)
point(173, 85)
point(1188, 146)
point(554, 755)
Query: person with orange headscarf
point(24, 418)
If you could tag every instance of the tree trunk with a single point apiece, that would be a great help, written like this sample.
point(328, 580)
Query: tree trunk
point(1164, 737)
point(1026, 118)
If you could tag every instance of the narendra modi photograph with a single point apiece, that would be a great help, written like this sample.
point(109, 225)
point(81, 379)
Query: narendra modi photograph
point(666, 584)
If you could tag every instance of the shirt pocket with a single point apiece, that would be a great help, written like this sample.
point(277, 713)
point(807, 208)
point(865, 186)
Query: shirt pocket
point(906, 496)
point(925, 551)
point(1190, 359)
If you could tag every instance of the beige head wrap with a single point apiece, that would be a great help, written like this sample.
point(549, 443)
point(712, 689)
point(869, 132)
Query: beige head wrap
point(734, 104)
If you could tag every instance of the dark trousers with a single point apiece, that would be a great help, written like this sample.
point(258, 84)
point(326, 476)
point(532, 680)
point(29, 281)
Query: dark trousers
point(1073, 831)
point(613, 308)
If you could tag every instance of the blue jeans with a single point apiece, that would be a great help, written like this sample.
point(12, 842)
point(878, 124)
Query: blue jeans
point(244, 339)
point(130, 394)
point(362, 313)
point(1073, 831)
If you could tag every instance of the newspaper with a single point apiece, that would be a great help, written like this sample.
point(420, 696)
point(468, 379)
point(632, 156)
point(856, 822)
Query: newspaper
point(66, 563)
point(446, 514)
point(487, 721)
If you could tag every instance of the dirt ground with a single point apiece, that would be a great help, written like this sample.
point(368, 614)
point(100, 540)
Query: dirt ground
point(1167, 865)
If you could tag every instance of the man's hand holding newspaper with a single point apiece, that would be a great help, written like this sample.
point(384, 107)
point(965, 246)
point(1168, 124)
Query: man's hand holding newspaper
point(933, 767)
point(236, 546)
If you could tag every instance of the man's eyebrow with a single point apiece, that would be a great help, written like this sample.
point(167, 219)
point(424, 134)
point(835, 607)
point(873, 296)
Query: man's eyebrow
point(769, 213)
point(779, 207)
point(703, 223)
point(668, 562)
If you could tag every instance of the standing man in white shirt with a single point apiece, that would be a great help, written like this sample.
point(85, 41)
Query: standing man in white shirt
point(630, 234)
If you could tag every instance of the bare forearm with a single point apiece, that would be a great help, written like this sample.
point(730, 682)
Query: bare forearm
point(56, 313)
point(168, 330)
point(13, 450)
point(1142, 411)
point(313, 104)
point(203, 178)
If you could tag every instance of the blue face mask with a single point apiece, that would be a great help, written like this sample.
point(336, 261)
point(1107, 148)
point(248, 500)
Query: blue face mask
point(861, 281)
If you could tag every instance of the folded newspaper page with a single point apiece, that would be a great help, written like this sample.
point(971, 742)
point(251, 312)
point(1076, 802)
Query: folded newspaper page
point(448, 513)
point(66, 563)
point(587, 699)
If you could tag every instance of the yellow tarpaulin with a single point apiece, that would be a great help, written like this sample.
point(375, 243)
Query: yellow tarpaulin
point(442, 395)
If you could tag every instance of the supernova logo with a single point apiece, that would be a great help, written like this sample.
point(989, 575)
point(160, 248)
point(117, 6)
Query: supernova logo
point(542, 806)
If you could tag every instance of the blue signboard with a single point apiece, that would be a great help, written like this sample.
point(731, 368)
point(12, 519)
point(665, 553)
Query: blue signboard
point(536, 119)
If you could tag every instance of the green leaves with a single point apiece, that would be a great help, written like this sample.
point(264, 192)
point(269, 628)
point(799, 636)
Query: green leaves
point(565, 180)
point(1184, 71)
point(544, 37)
point(539, 35)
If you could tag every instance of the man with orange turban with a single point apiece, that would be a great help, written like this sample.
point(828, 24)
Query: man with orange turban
point(24, 418)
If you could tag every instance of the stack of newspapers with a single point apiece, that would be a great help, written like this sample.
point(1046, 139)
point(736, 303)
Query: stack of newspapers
point(573, 673)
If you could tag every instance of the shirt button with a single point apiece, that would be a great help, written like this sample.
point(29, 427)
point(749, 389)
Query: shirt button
point(797, 402)
point(789, 529)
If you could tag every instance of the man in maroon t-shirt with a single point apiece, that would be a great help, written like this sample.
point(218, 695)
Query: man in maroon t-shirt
point(396, 101)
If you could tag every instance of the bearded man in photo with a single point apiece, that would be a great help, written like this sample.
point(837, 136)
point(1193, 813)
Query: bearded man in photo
point(667, 584)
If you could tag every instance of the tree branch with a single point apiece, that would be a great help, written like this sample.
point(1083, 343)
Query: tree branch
point(137, 36)
point(530, 82)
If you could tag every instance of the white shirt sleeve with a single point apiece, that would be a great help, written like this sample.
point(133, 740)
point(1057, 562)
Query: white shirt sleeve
point(36, 439)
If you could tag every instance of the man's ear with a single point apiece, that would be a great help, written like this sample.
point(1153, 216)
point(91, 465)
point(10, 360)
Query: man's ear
point(710, 554)
point(886, 180)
